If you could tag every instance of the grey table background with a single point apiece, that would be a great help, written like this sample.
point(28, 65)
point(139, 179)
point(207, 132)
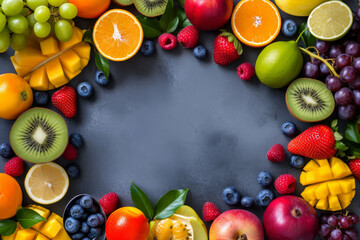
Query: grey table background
point(171, 121)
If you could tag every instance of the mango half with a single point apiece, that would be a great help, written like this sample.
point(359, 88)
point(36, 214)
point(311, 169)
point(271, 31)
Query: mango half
point(330, 184)
point(48, 63)
point(52, 228)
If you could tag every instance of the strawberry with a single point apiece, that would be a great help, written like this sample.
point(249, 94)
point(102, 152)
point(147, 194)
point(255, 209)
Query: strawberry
point(226, 48)
point(355, 168)
point(65, 100)
point(210, 212)
point(317, 142)
point(285, 184)
point(188, 37)
point(276, 153)
point(109, 202)
point(14, 167)
point(70, 152)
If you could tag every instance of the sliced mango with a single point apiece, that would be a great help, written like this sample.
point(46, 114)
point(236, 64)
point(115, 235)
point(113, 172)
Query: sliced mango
point(70, 61)
point(49, 46)
point(39, 79)
point(55, 73)
point(25, 234)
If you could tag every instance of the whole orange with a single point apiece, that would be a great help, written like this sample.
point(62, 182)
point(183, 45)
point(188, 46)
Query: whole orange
point(10, 196)
point(16, 96)
point(127, 223)
point(91, 8)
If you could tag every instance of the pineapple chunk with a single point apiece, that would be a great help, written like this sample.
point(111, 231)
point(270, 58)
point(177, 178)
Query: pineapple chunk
point(25, 234)
point(55, 73)
point(70, 61)
point(39, 79)
point(49, 47)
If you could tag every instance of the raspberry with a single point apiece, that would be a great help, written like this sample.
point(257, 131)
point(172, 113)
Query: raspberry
point(188, 37)
point(285, 184)
point(109, 202)
point(70, 152)
point(210, 212)
point(276, 153)
point(167, 41)
point(14, 167)
point(246, 71)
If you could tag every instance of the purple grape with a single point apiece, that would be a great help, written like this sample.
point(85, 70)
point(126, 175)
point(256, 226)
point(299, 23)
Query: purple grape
point(324, 218)
point(324, 70)
point(348, 74)
point(336, 234)
point(357, 103)
point(345, 222)
point(355, 27)
point(344, 96)
point(324, 230)
point(352, 233)
point(322, 46)
point(343, 60)
point(346, 237)
point(311, 70)
point(333, 83)
point(356, 63)
point(355, 84)
point(347, 112)
point(354, 218)
point(316, 61)
point(345, 42)
point(332, 221)
point(353, 49)
point(357, 13)
point(336, 50)
point(358, 37)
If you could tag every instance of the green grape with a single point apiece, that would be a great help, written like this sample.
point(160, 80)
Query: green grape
point(42, 30)
point(55, 3)
point(2, 21)
point(18, 41)
point(4, 40)
point(31, 19)
point(1, 1)
point(28, 31)
point(68, 11)
point(18, 24)
point(25, 11)
point(42, 14)
point(63, 30)
point(12, 7)
point(33, 4)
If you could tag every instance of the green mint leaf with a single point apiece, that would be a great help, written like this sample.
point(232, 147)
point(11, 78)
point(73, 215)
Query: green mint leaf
point(102, 63)
point(307, 38)
point(141, 201)
point(352, 132)
point(151, 26)
point(338, 136)
point(88, 37)
point(7, 227)
point(168, 16)
point(169, 203)
point(173, 25)
point(28, 217)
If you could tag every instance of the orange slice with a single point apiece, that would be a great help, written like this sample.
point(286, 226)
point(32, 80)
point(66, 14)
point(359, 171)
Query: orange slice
point(118, 35)
point(256, 23)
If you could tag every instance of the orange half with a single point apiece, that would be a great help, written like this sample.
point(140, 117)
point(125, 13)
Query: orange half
point(118, 35)
point(256, 23)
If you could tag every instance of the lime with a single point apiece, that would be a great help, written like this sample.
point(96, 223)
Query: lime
point(330, 21)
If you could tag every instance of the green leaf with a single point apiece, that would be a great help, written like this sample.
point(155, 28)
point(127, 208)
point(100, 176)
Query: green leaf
point(181, 15)
point(307, 38)
point(173, 25)
point(338, 136)
point(141, 201)
point(7, 227)
point(334, 124)
point(182, 3)
point(352, 132)
point(169, 203)
point(185, 24)
point(341, 146)
point(88, 37)
point(151, 26)
point(168, 16)
point(28, 217)
point(102, 64)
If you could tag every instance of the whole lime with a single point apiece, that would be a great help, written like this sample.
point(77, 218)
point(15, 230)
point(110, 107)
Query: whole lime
point(279, 63)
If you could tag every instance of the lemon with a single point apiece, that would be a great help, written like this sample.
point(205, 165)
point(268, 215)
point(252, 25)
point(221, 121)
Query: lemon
point(46, 183)
point(330, 21)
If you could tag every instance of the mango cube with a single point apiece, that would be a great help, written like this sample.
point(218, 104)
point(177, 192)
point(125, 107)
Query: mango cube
point(51, 228)
point(313, 202)
point(322, 204)
point(41, 237)
point(346, 198)
point(322, 162)
point(322, 191)
point(49, 46)
point(334, 188)
point(310, 166)
point(25, 234)
point(347, 184)
point(62, 235)
point(55, 73)
point(334, 202)
point(70, 61)
point(83, 50)
point(340, 170)
point(39, 79)
point(84, 62)
point(71, 75)
point(325, 173)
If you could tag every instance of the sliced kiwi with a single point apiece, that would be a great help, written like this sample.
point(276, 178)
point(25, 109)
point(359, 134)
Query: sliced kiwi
point(309, 100)
point(151, 8)
point(39, 135)
point(123, 2)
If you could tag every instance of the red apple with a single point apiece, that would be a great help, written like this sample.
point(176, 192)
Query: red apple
point(208, 14)
point(290, 218)
point(236, 224)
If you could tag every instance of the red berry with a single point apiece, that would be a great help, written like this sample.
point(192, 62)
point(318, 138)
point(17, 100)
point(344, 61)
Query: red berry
point(210, 212)
point(109, 202)
point(167, 41)
point(354, 166)
point(276, 153)
point(226, 49)
point(65, 100)
point(70, 152)
point(188, 37)
point(285, 184)
point(14, 167)
point(246, 71)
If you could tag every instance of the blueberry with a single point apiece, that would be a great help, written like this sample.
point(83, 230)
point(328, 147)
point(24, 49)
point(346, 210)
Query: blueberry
point(84, 227)
point(264, 198)
point(76, 211)
point(6, 150)
point(94, 232)
point(147, 48)
point(73, 170)
point(76, 140)
point(288, 128)
point(100, 78)
point(200, 52)
point(72, 225)
point(289, 28)
point(264, 178)
point(93, 209)
point(247, 202)
point(86, 201)
point(101, 218)
point(297, 161)
point(41, 98)
point(231, 196)
point(86, 238)
point(85, 89)
point(77, 236)
point(93, 220)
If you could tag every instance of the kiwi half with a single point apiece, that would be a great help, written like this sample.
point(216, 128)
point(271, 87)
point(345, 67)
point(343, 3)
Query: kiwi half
point(151, 8)
point(123, 2)
point(39, 136)
point(309, 100)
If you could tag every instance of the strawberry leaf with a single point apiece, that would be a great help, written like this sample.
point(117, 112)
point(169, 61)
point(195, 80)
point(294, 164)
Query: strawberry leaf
point(141, 201)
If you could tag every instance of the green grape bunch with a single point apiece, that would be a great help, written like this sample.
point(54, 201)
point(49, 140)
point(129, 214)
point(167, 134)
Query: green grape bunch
point(19, 18)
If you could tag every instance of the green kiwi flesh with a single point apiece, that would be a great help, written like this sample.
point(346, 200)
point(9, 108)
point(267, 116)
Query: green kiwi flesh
point(39, 136)
point(151, 8)
point(123, 2)
point(309, 100)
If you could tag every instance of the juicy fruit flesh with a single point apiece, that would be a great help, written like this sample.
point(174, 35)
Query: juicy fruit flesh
point(309, 100)
point(176, 227)
point(39, 136)
point(151, 8)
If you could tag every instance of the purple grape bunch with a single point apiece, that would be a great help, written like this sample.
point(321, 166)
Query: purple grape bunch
point(339, 226)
